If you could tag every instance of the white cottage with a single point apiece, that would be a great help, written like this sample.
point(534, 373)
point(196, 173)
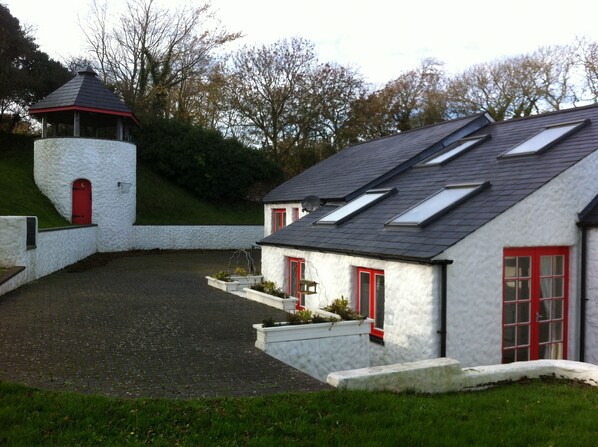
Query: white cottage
point(469, 239)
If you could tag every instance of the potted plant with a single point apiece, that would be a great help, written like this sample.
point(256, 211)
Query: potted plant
point(223, 281)
point(244, 279)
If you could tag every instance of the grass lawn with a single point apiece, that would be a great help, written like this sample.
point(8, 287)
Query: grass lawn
point(160, 202)
point(20, 196)
point(537, 413)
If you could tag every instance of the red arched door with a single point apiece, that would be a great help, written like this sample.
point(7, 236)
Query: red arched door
point(81, 202)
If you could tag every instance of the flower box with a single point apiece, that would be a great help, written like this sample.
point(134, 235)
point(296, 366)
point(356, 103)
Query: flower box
point(287, 304)
point(286, 332)
point(227, 286)
point(247, 280)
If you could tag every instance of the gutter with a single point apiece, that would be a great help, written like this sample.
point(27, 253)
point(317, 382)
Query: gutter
point(443, 306)
point(382, 256)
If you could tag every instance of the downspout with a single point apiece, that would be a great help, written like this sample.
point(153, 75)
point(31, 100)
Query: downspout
point(443, 307)
point(583, 299)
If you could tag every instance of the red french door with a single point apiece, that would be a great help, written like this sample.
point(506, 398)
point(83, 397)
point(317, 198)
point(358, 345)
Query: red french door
point(535, 301)
point(296, 274)
point(81, 212)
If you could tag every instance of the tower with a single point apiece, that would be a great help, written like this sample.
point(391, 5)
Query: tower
point(84, 162)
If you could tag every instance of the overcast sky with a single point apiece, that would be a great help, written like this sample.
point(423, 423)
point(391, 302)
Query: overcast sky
point(381, 38)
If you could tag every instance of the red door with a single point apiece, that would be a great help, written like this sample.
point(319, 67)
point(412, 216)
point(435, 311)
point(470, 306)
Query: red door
point(535, 302)
point(81, 202)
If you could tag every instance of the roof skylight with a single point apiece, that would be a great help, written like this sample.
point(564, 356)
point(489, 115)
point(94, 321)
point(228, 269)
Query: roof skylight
point(345, 212)
point(437, 204)
point(461, 146)
point(544, 139)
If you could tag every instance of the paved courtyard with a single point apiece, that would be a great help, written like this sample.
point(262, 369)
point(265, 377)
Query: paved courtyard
point(145, 325)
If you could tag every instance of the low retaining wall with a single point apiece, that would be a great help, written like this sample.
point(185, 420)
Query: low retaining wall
point(196, 237)
point(445, 375)
point(317, 349)
point(50, 250)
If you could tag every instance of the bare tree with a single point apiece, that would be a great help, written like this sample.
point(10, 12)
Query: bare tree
point(149, 51)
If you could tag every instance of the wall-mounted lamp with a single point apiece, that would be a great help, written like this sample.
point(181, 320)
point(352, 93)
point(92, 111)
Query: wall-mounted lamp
point(308, 287)
point(124, 187)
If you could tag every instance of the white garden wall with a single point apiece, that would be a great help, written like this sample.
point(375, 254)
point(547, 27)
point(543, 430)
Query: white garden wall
point(545, 218)
point(182, 237)
point(54, 250)
point(412, 307)
point(58, 162)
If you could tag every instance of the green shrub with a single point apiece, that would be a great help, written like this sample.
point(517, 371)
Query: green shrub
point(270, 288)
point(340, 306)
point(222, 276)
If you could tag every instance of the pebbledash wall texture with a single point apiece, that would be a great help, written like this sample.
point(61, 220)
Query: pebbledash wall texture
point(58, 162)
point(411, 317)
point(288, 207)
point(592, 291)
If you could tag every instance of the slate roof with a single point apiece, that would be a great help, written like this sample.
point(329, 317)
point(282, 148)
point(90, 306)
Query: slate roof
point(512, 179)
point(355, 167)
point(84, 92)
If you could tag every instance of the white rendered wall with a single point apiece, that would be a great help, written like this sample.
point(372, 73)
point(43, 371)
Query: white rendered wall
point(289, 209)
point(182, 237)
point(545, 218)
point(58, 162)
point(411, 316)
point(592, 297)
point(334, 354)
point(55, 249)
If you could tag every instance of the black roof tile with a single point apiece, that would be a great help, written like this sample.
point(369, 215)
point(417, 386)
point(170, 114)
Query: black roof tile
point(83, 91)
point(511, 180)
point(357, 166)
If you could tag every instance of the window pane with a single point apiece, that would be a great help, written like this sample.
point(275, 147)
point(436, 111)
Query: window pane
point(540, 140)
point(522, 335)
point(557, 287)
point(459, 148)
point(434, 204)
point(510, 314)
point(545, 269)
point(557, 309)
point(351, 207)
point(509, 336)
point(558, 265)
point(524, 290)
point(510, 267)
point(552, 351)
point(379, 301)
point(294, 285)
point(524, 263)
point(545, 310)
point(544, 332)
point(364, 294)
point(545, 288)
point(523, 312)
point(556, 331)
point(510, 294)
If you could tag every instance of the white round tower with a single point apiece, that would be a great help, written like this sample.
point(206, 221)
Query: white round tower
point(84, 162)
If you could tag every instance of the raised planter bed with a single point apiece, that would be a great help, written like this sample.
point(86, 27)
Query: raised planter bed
point(236, 284)
point(247, 281)
point(227, 286)
point(287, 304)
point(286, 332)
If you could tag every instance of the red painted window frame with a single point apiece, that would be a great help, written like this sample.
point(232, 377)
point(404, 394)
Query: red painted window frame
point(295, 214)
point(300, 274)
point(279, 219)
point(376, 332)
point(535, 253)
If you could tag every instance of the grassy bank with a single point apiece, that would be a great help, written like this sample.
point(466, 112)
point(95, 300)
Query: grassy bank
point(159, 202)
point(525, 414)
